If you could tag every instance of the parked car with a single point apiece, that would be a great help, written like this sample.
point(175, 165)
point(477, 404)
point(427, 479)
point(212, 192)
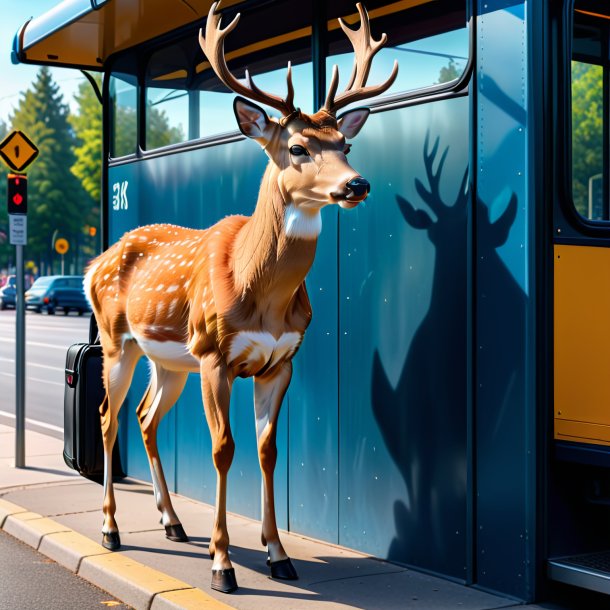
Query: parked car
point(54, 292)
point(8, 293)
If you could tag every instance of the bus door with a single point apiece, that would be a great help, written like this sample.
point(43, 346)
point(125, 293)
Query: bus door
point(579, 481)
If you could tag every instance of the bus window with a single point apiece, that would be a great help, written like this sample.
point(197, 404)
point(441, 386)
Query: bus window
point(124, 114)
point(430, 42)
point(185, 99)
point(589, 109)
point(167, 97)
point(216, 107)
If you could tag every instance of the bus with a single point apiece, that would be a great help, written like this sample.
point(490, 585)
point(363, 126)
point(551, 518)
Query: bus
point(449, 409)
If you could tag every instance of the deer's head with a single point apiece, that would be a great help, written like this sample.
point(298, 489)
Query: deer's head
point(308, 150)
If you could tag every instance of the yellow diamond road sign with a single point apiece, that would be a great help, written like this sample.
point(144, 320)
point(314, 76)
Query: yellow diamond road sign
point(18, 151)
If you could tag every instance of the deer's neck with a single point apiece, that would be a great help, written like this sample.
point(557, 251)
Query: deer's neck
point(276, 247)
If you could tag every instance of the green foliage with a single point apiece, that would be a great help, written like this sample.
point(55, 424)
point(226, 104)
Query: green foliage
point(449, 72)
point(587, 130)
point(87, 125)
point(56, 199)
point(64, 183)
point(5, 248)
point(158, 130)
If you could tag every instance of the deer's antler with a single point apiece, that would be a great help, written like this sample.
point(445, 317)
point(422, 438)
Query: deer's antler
point(365, 48)
point(213, 47)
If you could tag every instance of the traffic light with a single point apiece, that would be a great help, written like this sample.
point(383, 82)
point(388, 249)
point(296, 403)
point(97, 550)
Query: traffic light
point(92, 231)
point(17, 194)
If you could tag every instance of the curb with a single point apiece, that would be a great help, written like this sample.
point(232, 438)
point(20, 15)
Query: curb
point(130, 581)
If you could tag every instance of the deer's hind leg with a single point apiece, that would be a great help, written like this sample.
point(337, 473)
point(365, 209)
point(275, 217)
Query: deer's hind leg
point(118, 373)
point(163, 391)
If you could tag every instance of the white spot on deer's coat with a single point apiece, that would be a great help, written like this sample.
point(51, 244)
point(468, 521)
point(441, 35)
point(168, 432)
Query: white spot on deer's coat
point(302, 223)
point(173, 288)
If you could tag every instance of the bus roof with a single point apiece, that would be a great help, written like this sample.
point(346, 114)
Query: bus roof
point(84, 33)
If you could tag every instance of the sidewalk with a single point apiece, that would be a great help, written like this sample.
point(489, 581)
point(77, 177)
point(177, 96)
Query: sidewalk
point(57, 512)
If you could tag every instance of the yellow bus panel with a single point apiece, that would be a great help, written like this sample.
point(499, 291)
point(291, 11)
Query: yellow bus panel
point(582, 344)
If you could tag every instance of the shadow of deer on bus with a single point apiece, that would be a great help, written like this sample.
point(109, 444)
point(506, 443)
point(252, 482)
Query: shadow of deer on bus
point(423, 418)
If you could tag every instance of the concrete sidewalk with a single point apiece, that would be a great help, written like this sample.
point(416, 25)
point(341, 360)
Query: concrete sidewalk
point(59, 513)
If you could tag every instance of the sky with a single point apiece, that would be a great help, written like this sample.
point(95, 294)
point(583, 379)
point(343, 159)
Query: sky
point(418, 67)
point(17, 78)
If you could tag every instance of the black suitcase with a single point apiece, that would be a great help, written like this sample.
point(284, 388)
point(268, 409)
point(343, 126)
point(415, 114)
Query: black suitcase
point(83, 395)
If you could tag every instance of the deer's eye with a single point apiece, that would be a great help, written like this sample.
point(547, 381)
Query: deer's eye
point(298, 151)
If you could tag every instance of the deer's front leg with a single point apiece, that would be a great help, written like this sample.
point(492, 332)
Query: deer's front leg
point(216, 383)
point(269, 393)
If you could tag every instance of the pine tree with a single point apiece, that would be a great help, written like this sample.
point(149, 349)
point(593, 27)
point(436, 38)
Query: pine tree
point(55, 196)
point(87, 124)
point(5, 248)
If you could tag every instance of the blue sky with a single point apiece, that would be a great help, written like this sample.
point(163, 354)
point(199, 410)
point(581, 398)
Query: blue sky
point(419, 67)
point(15, 79)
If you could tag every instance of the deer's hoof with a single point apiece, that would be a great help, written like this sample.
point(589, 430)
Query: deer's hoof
point(111, 541)
point(224, 580)
point(176, 533)
point(283, 569)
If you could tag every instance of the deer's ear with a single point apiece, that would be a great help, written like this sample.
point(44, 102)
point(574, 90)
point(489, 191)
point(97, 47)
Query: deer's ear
point(252, 119)
point(351, 122)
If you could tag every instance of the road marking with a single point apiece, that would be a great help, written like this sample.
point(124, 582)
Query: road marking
point(34, 421)
point(41, 366)
point(34, 379)
point(37, 344)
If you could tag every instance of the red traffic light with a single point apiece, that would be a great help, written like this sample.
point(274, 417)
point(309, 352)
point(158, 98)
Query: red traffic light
point(17, 194)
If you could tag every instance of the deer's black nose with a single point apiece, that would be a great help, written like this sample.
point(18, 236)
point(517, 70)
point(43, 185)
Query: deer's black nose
point(359, 188)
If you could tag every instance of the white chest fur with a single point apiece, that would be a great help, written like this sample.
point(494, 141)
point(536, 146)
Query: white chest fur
point(301, 222)
point(256, 347)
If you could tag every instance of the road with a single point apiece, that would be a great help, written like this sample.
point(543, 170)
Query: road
point(47, 341)
point(31, 580)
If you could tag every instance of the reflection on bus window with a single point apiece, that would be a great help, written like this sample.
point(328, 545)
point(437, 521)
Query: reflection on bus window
point(430, 43)
point(589, 70)
point(124, 115)
point(186, 101)
point(216, 107)
point(167, 97)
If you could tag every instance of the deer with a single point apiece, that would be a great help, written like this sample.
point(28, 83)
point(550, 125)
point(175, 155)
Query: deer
point(230, 301)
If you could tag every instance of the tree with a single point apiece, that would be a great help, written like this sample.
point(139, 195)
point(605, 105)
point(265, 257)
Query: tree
point(449, 72)
point(158, 130)
point(87, 124)
point(55, 196)
point(587, 130)
point(6, 250)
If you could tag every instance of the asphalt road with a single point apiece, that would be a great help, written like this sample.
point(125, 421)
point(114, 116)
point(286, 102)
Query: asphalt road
point(47, 341)
point(32, 581)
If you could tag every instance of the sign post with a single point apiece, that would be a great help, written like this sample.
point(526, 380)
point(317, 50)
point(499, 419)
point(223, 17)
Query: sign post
point(17, 151)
